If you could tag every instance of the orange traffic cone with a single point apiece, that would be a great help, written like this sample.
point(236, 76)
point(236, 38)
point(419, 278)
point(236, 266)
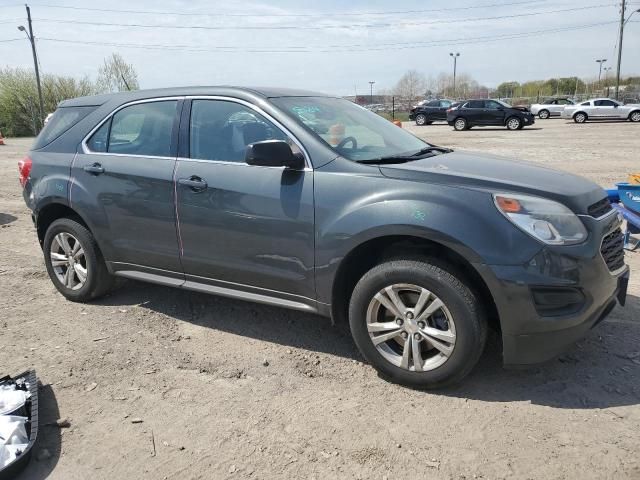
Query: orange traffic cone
point(1, 139)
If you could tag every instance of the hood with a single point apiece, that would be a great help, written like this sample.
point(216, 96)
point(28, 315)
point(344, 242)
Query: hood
point(498, 174)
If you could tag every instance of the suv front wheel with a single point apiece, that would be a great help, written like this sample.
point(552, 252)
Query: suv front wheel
point(74, 262)
point(417, 323)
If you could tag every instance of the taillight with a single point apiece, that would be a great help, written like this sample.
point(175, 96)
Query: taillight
point(24, 169)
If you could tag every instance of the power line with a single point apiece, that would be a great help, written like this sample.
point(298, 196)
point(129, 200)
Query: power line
point(12, 40)
point(293, 15)
point(320, 27)
point(333, 48)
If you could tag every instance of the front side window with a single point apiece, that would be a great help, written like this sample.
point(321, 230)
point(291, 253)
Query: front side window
point(445, 103)
point(434, 103)
point(221, 130)
point(351, 131)
point(550, 102)
point(491, 105)
point(140, 129)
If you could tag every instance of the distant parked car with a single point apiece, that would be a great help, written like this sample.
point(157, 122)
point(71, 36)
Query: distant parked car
point(550, 108)
point(425, 113)
point(602, 109)
point(483, 113)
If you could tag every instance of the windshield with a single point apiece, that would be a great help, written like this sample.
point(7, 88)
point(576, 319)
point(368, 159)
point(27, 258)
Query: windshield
point(350, 130)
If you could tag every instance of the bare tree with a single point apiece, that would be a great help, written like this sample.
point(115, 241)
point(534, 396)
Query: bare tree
point(116, 75)
point(411, 85)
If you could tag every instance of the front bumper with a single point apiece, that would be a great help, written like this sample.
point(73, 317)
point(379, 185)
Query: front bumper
point(576, 278)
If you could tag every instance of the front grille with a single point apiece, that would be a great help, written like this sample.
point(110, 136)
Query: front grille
point(598, 209)
point(612, 250)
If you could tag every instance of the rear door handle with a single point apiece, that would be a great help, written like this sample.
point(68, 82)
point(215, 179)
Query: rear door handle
point(194, 183)
point(95, 169)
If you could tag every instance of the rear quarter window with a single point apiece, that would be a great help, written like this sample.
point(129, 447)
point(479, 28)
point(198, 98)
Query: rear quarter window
point(62, 120)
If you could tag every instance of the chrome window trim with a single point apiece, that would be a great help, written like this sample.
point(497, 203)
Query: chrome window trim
point(87, 151)
point(257, 109)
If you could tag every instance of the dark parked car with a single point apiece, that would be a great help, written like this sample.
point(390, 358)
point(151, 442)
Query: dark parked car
point(235, 192)
point(484, 113)
point(431, 111)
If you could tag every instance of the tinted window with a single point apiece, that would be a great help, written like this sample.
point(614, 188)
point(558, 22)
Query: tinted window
point(550, 102)
point(435, 103)
point(98, 141)
point(491, 105)
point(585, 104)
point(222, 130)
point(604, 103)
point(61, 121)
point(445, 103)
point(143, 129)
point(475, 104)
point(565, 101)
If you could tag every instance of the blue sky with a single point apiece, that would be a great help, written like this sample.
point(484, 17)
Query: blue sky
point(337, 47)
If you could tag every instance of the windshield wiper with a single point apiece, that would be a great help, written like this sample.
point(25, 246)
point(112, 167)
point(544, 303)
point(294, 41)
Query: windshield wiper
point(392, 159)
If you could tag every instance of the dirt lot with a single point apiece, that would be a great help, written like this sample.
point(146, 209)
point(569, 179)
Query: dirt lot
point(192, 368)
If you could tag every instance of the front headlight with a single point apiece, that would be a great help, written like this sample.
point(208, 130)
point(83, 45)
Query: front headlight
point(548, 221)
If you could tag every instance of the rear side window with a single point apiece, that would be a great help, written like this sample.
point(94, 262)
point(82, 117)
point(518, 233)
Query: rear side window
point(475, 104)
point(140, 129)
point(585, 104)
point(62, 120)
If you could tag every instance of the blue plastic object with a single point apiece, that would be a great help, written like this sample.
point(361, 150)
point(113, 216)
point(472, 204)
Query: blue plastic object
point(630, 196)
point(613, 195)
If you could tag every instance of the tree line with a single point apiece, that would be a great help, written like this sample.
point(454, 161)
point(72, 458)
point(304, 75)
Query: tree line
point(19, 106)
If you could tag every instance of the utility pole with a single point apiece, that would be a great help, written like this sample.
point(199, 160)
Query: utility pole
point(455, 64)
point(371, 94)
point(32, 40)
point(622, 12)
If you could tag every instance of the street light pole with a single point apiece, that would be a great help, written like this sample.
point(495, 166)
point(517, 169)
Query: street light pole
point(455, 64)
point(32, 40)
point(623, 22)
point(600, 62)
point(371, 93)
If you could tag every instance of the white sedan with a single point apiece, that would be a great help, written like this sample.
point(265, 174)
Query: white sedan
point(602, 109)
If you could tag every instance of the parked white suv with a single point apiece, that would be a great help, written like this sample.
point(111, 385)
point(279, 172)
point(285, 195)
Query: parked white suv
point(602, 109)
point(552, 107)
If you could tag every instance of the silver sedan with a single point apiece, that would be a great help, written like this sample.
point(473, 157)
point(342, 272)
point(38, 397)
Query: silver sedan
point(550, 108)
point(602, 109)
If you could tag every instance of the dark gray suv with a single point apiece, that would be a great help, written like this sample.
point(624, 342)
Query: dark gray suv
point(311, 202)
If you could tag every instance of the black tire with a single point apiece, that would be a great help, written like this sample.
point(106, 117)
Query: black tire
point(513, 123)
point(98, 280)
point(460, 124)
point(465, 309)
point(635, 116)
point(544, 114)
point(580, 117)
point(421, 119)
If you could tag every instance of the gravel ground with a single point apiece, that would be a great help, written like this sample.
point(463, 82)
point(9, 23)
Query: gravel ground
point(160, 383)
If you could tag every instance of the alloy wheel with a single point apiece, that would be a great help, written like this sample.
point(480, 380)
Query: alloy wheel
point(411, 327)
point(544, 114)
point(513, 124)
point(460, 124)
point(68, 261)
point(580, 118)
point(421, 119)
point(635, 117)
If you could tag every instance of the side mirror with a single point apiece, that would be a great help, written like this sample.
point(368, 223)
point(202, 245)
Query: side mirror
point(273, 153)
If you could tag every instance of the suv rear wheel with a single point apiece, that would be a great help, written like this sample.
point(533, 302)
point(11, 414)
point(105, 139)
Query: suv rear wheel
point(417, 323)
point(460, 124)
point(421, 119)
point(74, 262)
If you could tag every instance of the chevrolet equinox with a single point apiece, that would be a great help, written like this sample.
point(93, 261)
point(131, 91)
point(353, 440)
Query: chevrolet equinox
point(310, 202)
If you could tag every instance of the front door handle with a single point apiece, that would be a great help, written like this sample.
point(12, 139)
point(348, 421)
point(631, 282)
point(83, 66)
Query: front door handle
point(95, 169)
point(194, 183)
